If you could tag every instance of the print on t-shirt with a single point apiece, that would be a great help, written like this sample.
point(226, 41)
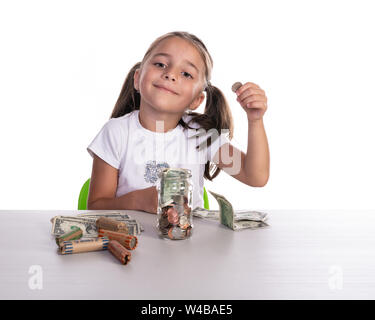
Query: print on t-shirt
point(152, 170)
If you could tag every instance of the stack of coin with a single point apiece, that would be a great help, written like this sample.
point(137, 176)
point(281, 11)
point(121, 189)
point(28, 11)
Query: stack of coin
point(74, 234)
point(123, 255)
point(175, 220)
point(84, 245)
point(128, 241)
point(112, 235)
point(111, 224)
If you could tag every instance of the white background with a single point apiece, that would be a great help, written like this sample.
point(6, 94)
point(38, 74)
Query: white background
point(63, 64)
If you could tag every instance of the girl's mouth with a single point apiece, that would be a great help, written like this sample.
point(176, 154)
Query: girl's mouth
point(164, 89)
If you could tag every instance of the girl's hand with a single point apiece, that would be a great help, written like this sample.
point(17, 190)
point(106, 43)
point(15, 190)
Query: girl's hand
point(253, 100)
point(146, 199)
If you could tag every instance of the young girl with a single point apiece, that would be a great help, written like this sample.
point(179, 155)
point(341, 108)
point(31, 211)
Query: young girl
point(150, 129)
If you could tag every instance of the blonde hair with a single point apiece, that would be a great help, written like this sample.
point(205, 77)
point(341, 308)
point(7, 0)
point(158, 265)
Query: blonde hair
point(216, 114)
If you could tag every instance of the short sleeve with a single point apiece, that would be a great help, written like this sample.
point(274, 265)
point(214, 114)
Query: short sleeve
point(107, 144)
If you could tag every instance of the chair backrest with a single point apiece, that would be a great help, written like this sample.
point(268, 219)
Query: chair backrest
point(83, 195)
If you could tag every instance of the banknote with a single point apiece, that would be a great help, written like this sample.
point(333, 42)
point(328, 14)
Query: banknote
point(226, 216)
point(249, 224)
point(63, 224)
point(205, 213)
point(102, 213)
point(116, 215)
point(243, 219)
point(238, 214)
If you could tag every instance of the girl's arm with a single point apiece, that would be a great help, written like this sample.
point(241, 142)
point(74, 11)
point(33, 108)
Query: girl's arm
point(252, 168)
point(103, 186)
point(257, 159)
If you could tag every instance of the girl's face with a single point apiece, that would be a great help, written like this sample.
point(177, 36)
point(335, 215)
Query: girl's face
point(176, 65)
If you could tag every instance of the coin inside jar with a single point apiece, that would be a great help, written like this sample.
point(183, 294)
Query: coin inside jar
point(163, 221)
point(188, 231)
point(176, 233)
point(172, 215)
point(184, 222)
point(187, 209)
point(174, 201)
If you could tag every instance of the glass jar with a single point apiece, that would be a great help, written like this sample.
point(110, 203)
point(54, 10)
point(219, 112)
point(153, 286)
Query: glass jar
point(175, 193)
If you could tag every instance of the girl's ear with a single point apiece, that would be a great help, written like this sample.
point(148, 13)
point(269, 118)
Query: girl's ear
point(197, 101)
point(136, 80)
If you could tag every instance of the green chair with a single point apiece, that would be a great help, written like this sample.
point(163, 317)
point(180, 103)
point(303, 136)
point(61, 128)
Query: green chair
point(83, 195)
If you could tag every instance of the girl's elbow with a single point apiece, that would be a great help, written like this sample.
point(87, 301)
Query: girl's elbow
point(90, 206)
point(258, 183)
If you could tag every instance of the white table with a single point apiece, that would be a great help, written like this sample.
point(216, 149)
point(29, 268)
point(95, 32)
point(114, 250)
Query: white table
point(302, 255)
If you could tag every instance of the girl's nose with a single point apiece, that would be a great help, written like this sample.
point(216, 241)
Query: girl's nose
point(170, 76)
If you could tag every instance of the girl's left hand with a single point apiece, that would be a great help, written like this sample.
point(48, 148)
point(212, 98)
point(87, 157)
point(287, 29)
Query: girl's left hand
point(146, 199)
point(253, 100)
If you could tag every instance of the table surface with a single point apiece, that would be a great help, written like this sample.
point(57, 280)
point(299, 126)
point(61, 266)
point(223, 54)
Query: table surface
point(306, 254)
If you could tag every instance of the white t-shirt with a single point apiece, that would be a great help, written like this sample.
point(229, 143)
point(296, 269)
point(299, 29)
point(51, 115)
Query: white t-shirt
point(139, 154)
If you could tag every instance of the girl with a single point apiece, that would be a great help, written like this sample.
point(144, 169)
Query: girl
point(150, 129)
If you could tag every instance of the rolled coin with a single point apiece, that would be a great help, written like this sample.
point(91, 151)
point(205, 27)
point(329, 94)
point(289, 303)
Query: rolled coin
point(111, 224)
point(236, 86)
point(123, 255)
point(87, 245)
point(74, 234)
point(128, 241)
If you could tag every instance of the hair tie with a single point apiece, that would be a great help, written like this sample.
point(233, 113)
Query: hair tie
point(208, 85)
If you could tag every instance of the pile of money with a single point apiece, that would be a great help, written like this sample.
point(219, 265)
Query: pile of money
point(87, 223)
point(86, 232)
point(83, 245)
point(123, 255)
point(126, 240)
point(75, 234)
point(175, 219)
point(233, 219)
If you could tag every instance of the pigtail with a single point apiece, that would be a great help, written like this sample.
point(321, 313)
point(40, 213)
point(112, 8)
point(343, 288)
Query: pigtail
point(217, 114)
point(129, 98)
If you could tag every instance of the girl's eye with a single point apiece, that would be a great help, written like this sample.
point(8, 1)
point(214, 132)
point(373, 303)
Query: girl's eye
point(162, 64)
point(189, 75)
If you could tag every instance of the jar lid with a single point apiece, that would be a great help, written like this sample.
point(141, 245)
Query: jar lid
point(172, 173)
